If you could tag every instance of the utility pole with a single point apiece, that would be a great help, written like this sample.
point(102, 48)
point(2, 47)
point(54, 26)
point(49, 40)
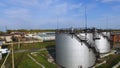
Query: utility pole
point(18, 43)
point(12, 56)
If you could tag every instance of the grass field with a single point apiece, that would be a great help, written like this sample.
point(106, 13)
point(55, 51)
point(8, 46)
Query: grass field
point(35, 45)
point(111, 61)
point(42, 58)
point(23, 61)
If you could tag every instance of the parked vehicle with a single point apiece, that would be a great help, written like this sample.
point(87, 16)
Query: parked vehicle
point(3, 51)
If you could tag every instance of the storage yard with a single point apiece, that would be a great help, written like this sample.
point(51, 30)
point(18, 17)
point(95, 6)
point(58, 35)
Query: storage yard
point(63, 52)
point(60, 34)
point(84, 49)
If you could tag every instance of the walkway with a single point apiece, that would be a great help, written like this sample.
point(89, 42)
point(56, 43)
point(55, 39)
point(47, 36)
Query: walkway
point(35, 61)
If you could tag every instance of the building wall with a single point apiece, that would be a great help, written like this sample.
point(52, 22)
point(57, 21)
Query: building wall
point(116, 39)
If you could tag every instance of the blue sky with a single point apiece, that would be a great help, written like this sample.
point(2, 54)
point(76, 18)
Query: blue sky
point(44, 14)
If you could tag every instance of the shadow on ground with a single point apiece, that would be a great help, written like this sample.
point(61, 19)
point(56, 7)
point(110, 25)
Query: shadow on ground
point(51, 51)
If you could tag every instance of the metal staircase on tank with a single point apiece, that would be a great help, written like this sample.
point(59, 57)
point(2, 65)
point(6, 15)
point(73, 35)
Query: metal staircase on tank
point(88, 43)
point(105, 36)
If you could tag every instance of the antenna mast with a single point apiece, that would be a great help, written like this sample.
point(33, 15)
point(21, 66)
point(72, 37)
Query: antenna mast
point(85, 18)
point(57, 22)
point(6, 28)
point(85, 23)
point(107, 22)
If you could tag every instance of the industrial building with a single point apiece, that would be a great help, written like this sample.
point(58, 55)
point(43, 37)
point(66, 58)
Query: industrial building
point(102, 41)
point(115, 36)
point(75, 50)
point(80, 49)
point(45, 36)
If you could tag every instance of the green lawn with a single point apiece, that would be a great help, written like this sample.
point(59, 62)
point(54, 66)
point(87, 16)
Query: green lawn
point(23, 61)
point(35, 45)
point(111, 61)
point(3, 58)
point(42, 58)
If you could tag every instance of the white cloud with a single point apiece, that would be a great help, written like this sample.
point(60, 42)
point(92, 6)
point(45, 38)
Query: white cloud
point(34, 3)
point(101, 22)
point(25, 2)
point(91, 6)
point(60, 9)
point(53, 6)
point(17, 13)
point(106, 1)
point(116, 8)
point(2, 4)
point(64, 8)
point(50, 6)
point(75, 6)
point(21, 15)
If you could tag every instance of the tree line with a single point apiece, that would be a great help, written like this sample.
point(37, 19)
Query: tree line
point(27, 31)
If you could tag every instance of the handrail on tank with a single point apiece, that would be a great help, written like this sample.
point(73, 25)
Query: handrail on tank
point(99, 31)
point(75, 30)
point(87, 42)
point(105, 36)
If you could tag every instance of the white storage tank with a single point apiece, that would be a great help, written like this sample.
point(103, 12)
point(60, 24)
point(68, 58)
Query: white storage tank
point(102, 42)
point(89, 36)
point(72, 52)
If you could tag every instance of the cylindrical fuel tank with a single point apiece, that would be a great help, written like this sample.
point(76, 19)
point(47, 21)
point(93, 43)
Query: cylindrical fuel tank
point(103, 43)
point(71, 53)
point(89, 36)
point(106, 34)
